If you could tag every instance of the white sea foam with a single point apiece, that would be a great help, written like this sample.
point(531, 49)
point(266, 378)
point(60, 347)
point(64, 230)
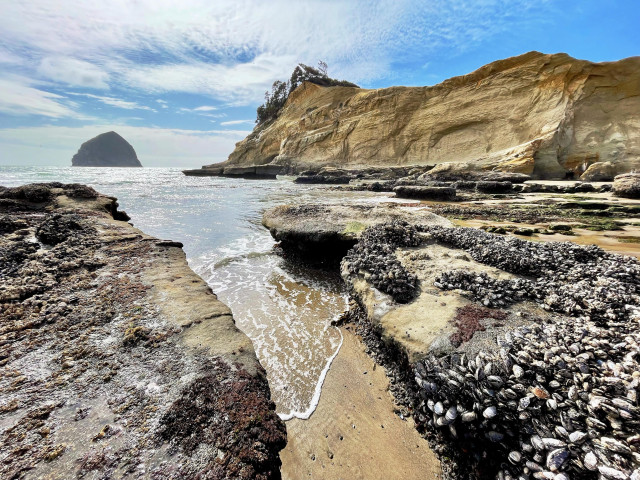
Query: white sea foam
point(286, 315)
point(284, 310)
point(316, 394)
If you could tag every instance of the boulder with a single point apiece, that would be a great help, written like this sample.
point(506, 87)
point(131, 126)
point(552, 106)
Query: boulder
point(106, 150)
point(426, 192)
point(627, 185)
point(326, 179)
point(600, 172)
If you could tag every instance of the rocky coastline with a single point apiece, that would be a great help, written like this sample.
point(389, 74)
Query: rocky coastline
point(528, 367)
point(513, 359)
point(117, 360)
point(562, 118)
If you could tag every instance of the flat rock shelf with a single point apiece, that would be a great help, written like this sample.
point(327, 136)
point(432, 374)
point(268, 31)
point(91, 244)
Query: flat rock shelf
point(117, 359)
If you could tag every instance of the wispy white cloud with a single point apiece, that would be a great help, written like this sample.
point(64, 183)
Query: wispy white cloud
point(18, 97)
point(115, 102)
point(236, 122)
point(73, 72)
point(239, 83)
point(200, 110)
point(8, 58)
point(234, 50)
point(154, 146)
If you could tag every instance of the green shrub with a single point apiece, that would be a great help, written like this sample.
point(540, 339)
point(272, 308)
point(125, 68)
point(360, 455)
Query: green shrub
point(280, 91)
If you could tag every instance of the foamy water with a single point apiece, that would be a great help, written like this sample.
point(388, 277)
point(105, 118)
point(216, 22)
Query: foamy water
point(285, 310)
point(287, 314)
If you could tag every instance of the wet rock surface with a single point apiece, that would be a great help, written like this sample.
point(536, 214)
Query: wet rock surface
point(426, 192)
point(324, 230)
point(107, 365)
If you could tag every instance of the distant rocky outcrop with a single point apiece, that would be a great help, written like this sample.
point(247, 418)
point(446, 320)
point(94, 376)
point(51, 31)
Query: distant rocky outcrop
point(106, 150)
point(547, 116)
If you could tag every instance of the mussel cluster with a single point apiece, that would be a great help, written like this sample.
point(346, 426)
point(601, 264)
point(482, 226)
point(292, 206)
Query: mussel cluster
point(375, 255)
point(558, 399)
point(572, 279)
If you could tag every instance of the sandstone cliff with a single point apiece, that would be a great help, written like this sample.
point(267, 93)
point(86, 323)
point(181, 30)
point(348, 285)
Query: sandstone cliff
point(549, 116)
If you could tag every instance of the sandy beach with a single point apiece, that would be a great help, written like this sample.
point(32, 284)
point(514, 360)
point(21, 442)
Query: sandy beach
point(354, 433)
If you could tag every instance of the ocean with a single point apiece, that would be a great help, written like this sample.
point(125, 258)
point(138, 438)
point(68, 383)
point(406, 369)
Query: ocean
point(286, 310)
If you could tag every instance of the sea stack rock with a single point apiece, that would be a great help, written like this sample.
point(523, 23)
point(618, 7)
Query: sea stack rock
point(106, 150)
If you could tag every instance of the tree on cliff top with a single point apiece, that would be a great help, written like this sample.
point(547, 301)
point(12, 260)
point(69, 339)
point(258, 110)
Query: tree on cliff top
point(280, 91)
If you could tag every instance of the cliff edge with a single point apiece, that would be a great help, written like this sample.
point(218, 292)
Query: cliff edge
point(548, 116)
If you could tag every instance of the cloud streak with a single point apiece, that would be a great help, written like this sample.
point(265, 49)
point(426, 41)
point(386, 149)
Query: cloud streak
point(236, 122)
point(73, 72)
point(234, 50)
point(17, 97)
point(115, 102)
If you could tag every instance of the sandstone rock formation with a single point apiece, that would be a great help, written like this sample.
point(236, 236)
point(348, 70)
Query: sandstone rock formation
point(324, 230)
point(106, 150)
point(548, 116)
point(627, 186)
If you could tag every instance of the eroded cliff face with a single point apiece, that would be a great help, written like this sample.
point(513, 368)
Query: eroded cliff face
point(543, 115)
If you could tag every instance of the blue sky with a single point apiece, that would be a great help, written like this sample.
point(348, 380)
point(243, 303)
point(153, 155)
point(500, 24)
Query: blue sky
point(181, 80)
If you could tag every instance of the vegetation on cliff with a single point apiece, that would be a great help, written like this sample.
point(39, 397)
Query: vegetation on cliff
point(280, 91)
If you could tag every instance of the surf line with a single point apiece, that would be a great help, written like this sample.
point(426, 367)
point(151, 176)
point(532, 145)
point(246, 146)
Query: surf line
point(316, 394)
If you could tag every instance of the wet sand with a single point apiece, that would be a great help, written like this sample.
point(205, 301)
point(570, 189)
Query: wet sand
point(354, 433)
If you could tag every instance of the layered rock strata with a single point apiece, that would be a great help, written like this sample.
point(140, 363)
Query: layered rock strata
point(324, 230)
point(548, 116)
point(117, 359)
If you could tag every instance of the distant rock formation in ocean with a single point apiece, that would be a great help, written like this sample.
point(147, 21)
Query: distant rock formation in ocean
point(547, 116)
point(106, 150)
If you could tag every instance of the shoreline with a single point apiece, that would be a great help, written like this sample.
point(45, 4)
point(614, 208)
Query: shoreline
point(315, 400)
point(381, 446)
point(117, 358)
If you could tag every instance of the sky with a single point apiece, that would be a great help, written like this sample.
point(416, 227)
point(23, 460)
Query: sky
point(181, 80)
